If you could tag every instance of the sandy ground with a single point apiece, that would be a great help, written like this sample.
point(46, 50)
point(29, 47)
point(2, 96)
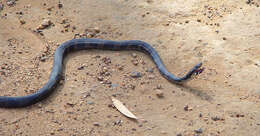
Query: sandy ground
point(224, 100)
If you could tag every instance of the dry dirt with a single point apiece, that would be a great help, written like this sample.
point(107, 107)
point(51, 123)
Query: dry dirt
point(224, 100)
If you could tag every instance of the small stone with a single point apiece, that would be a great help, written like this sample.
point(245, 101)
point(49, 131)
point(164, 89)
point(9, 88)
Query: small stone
point(131, 86)
point(149, 70)
point(134, 55)
point(200, 115)
point(60, 129)
point(96, 124)
point(106, 60)
point(43, 59)
point(159, 93)
point(19, 13)
point(216, 118)
point(100, 78)
point(22, 22)
point(118, 122)
point(133, 129)
point(142, 62)
point(66, 26)
point(149, 1)
point(71, 103)
point(1, 6)
point(39, 105)
point(121, 68)
point(63, 21)
point(10, 2)
point(110, 105)
point(114, 85)
point(159, 86)
point(135, 62)
point(187, 108)
point(81, 68)
point(151, 76)
point(179, 134)
point(45, 23)
point(66, 29)
point(105, 69)
point(163, 132)
point(90, 35)
point(135, 74)
point(90, 103)
point(96, 30)
point(238, 115)
point(60, 5)
point(52, 133)
point(198, 131)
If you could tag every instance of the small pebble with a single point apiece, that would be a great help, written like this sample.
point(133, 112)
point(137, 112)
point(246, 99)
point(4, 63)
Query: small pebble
point(216, 118)
point(19, 13)
point(134, 55)
point(110, 105)
point(114, 85)
point(118, 122)
point(159, 93)
point(133, 129)
point(1, 6)
point(70, 103)
point(200, 115)
point(66, 26)
point(96, 124)
point(149, 70)
point(187, 108)
point(179, 134)
point(106, 60)
point(90, 103)
point(52, 133)
point(151, 76)
point(149, 1)
point(96, 30)
point(100, 78)
point(121, 68)
point(22, 22)
point(10, 2)
point(135, 74)
point(90, 35)
point(163, 132)
point(159, 86)
point(80, 68)
point(45, 23)
point(60, 5)
point(198, 131)
point(135, 62)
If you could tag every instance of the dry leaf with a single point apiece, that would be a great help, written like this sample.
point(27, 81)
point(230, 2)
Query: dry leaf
point(119, 105)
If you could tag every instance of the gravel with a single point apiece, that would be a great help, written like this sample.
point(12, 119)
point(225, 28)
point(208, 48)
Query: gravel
point(136, 74)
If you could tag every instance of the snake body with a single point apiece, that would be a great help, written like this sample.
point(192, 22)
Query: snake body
point(84, 44)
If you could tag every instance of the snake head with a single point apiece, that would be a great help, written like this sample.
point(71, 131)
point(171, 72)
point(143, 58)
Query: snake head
point(199, 70)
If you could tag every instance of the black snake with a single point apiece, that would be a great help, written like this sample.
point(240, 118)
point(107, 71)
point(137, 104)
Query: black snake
point(83, 44)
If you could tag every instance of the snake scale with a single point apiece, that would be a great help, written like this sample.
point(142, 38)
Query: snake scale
point(84, 44)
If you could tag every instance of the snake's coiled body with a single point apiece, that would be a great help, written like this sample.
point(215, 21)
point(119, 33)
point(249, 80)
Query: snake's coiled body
point(83, 44)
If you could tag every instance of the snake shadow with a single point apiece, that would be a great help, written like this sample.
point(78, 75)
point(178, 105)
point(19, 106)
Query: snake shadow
point(196, 92)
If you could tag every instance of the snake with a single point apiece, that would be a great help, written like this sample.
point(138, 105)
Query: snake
point(87, 44)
